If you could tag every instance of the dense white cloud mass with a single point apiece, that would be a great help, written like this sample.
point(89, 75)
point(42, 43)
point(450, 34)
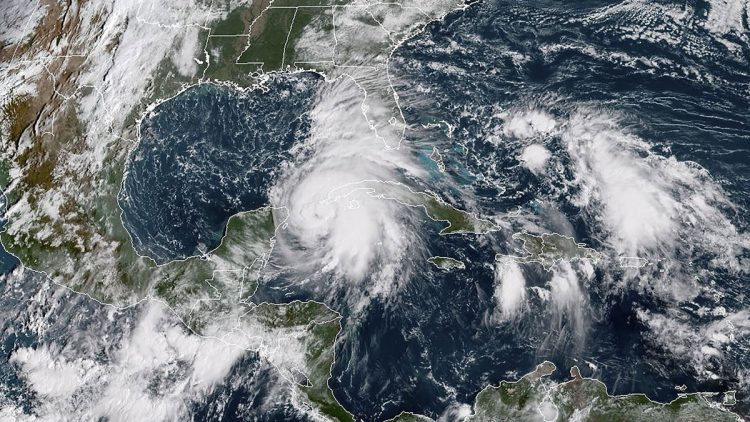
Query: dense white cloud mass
point(529, 123)
point(159, 352)
point(510, 290)
point(333, 224)
point(534, 157)
point(648, 214)
point(648, 202)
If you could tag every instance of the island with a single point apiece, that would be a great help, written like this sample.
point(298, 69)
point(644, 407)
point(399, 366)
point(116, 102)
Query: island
point(446, 263)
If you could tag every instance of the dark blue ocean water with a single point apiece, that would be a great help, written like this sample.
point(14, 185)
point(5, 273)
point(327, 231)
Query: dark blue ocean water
point(434, 343)
point(693, 104)
point(205, 155)
point(213, 151)
point(249, 393)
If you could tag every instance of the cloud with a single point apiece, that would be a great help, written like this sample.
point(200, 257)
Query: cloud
point(647, 205)
point(528, 123)
point(49, 376)
point(510, 290)
point(704, 346)
point(151, 375)
point(567, 297)
point(334, 227)
point(534, 157)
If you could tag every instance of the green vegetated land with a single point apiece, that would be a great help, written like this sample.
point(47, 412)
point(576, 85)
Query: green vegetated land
point(4, 174)
point(554, 245)
point(265, 36)
point(219, 286)
point(589, 397)
point(322, 327)
point(410, 417)
point(549, 248)
point(445, 263)
point(582, 399)
point(268, 38)
point(457, 221)
point(250, 39)
point(205, 290)
point(261, 37)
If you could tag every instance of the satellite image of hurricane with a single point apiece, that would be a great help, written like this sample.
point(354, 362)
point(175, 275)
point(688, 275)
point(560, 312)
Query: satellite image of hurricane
point(374, 210)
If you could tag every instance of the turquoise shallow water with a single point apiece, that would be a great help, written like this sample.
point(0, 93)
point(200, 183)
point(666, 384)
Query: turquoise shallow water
point(672, 85)
point(213, 151)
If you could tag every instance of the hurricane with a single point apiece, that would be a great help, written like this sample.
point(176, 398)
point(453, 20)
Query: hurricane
point(360, 211)
point(351, 235)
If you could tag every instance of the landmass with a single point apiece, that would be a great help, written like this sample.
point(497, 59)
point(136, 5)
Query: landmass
point(333, 37)
point(68, 130)
point(632, 262)
point(446, 263)
point(437, 158)
point(535, 397)
point(410, 417)
point(549, 248)
point(457, 221)
point(74, 87)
